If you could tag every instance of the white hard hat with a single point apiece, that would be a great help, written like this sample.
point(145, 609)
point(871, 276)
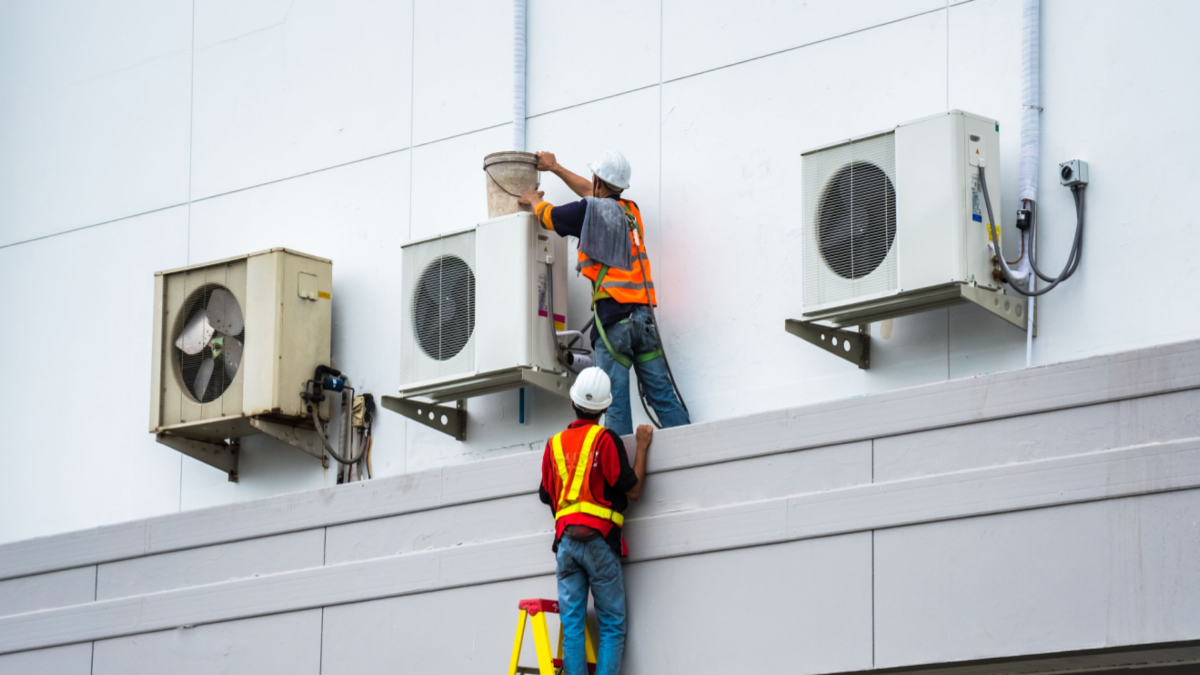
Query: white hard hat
point(592, 390)
point(612, 168)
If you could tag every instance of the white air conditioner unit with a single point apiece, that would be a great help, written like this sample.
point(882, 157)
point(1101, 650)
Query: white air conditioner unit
point(476, 311)
point(234, 342)
point(894, 222)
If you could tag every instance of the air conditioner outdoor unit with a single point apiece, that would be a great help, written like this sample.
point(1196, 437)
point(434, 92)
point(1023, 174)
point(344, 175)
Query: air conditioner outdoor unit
point(894, 222)
point(477, 315)
point(234, 342)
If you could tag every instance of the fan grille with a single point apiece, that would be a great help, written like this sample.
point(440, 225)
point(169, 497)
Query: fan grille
point(849, 221)
point(439, 308)
point(185, 293)
point(444, 307)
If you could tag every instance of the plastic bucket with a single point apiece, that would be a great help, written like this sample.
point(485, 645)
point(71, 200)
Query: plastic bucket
point(508, 174)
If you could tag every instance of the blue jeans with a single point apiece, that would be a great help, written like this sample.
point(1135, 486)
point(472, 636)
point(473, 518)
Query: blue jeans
point(634, 335)
point(593, 563)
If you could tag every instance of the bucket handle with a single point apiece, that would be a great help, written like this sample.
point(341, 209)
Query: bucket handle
point(506, 190)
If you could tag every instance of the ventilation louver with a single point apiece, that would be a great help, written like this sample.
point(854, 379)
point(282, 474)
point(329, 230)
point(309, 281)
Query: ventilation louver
point(439, 308)
point(444, 307)
point(850, 221)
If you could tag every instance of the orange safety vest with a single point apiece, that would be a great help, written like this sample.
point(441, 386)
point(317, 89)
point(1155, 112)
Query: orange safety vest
point(624, 287)
point(574, 456)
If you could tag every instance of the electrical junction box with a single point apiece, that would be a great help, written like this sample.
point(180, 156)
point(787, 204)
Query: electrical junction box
point(894, 221)
point(477, 316)
point(234, 342)
point(1072, 173)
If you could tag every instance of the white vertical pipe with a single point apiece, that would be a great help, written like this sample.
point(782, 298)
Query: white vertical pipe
point(519, 75)
point(1030, 141)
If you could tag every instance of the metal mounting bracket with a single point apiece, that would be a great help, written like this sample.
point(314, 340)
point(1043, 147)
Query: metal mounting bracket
point(854, 347)
point(223, 456)
point(443, 418)
point(1011, 308)
point(305, 440)
point(555, 383)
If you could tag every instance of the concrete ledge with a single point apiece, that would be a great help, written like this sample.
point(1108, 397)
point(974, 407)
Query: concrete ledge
point(1109, 474)
point(1100, 379)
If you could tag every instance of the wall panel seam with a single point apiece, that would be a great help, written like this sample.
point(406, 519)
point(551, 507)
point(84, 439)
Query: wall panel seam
point(1101, 379)
point(1110, 474)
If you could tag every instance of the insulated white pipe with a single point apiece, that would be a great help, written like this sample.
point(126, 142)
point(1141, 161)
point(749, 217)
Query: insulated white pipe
point(519, 75)
point(1030, 99)
point(1030, 141)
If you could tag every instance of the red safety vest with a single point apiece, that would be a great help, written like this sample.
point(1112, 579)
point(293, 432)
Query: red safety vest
point(624, 287)
point(574, 452)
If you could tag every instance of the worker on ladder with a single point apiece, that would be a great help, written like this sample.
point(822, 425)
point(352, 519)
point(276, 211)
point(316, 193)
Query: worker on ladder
point(588, 482)
point(623, 293)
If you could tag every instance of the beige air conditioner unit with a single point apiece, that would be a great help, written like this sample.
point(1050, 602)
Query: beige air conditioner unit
point(234, 342)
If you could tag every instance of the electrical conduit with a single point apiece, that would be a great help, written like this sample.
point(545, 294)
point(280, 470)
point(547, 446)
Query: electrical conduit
point(1030, 144)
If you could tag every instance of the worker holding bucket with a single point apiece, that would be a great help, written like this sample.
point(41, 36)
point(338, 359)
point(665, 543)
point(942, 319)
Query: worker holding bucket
point(612, 255)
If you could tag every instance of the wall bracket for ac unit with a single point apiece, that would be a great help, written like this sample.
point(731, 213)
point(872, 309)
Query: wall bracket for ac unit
point(443, 418)
point(305, 440)
point(855, 347)
point(421, 403)
point(223, 455)
point(1012, 308)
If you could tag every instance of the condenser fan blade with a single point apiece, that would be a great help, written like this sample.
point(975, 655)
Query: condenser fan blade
point(233, 356)
point(195, 335)
point(224, 313)
point(202, 378)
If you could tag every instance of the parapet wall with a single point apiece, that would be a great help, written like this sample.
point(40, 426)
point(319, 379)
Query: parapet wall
point(1043, 512)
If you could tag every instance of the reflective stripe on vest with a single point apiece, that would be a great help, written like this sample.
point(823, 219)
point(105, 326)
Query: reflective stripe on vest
point(571, 483)
point(592, 510)
point(624, 287)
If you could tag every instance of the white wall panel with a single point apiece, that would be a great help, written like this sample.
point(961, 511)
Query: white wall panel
point(94, 112)
point(579, 53)
point(1028, 438)
point(283, 644)
point(1087, 576)
point(801, 607)
point(78, 324)
point(729, 264)
point(356, 216)
point(462, 68)
point(211, 564)
point(284, 88)
point(699, 36)
point(448, 183)
point(397, 634)
point(68, 660)
point(1119, 109)
point(46, 591)
point(465, 524)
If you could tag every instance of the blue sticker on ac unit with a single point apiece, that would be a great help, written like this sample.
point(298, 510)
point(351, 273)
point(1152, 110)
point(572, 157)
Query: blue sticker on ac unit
point(975, 217)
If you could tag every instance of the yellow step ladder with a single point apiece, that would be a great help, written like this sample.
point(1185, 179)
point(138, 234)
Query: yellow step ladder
point(536, 610)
